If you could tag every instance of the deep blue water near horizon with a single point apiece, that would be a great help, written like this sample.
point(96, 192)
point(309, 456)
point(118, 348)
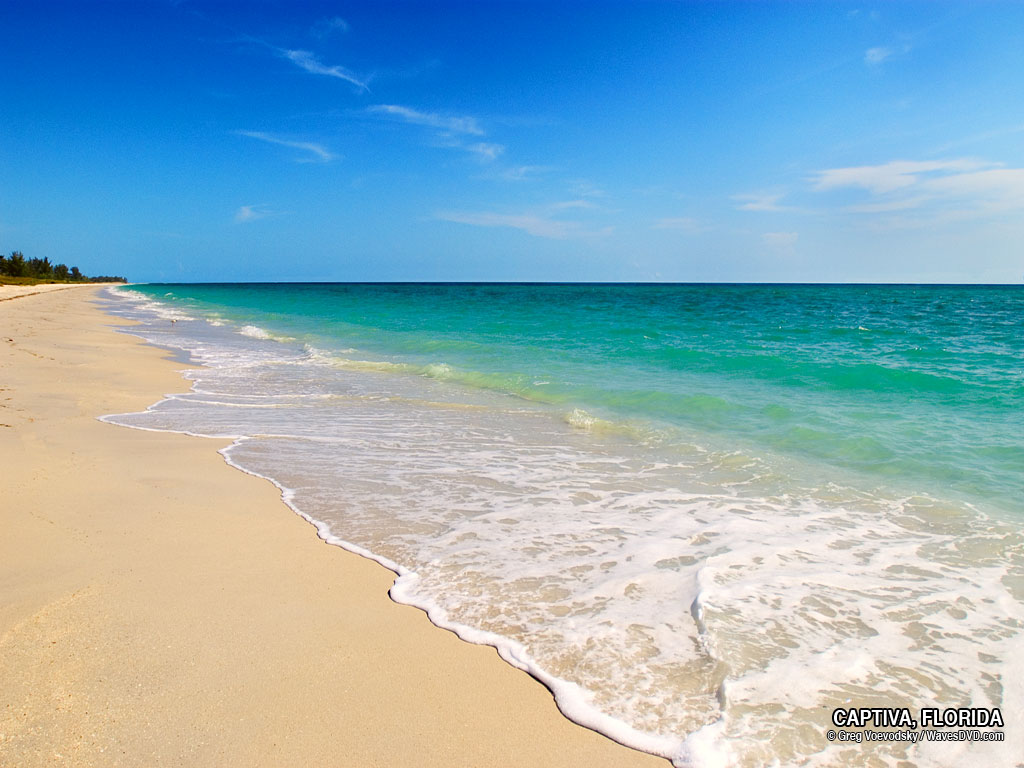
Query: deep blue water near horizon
point(703, 514)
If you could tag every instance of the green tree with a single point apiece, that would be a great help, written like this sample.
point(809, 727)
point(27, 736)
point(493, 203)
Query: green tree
point(75, 274)
point(40, 268)
point(16, 264)
point(61, 272)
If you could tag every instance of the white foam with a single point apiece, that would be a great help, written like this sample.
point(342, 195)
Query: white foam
point(254, 331)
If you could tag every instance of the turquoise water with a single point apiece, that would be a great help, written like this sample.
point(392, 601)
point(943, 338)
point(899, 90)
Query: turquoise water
point(916, 385)
point(703, 515)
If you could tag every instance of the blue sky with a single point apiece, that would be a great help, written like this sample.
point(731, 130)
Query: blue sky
point(742, 141)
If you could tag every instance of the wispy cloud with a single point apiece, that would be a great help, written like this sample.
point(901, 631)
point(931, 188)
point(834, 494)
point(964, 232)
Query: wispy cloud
point(872, 16)
point(564, 205)
point(449, 123)
point(485, 150)
point(320, 154)
point(891, 176)
point(888, 206)
point(539, 223)
point(761, 201)
point(995, 133)
point(585, 188)
point(329, 26)
point(875, 56)
point(524, 172)
point(307, 61)
point(529, 223)
point(247, 213)
point(449, 131)
point(947, 189)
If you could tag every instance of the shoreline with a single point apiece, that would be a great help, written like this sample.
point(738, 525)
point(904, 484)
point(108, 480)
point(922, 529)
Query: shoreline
point(163, 607)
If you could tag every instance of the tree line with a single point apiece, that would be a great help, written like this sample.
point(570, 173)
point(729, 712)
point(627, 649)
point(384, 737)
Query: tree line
point(16, 265)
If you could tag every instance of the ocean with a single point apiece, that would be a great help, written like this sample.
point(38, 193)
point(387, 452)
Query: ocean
point(705, 516)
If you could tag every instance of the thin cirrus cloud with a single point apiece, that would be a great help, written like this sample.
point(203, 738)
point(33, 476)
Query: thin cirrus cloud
point(450, 131)
point(537, 223)
point(247, 213)
point(956, 188)
point(565, 205)
point(307, 61)
point(485, 150)
point(875, 56)
point(448, 123)
point(329, 26)
point(760, 202)
point(524, 172)
point(318, 152)
point(891, 176)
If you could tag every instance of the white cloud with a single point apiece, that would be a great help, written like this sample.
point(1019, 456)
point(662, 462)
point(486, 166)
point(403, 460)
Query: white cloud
point(307, 61)
point(991, 190)
point(485, 150)
point(450, 130)
point(536, 223)
point(760, 202)
point(320, 154)
point(248, 213)
point(329, 26)
point(524, 172)
point(888, 206)
point(567, 204)
point(947, 189)
point(875, 56)
point(452, 124)
point(585, 188)
point(891, 176)
point(531, 224)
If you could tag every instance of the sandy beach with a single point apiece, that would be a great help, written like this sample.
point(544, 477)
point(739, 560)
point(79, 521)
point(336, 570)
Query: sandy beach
point(162, 608)
point(19, 291)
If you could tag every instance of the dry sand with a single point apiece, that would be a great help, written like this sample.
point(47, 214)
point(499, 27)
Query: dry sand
point(161, 608)
point(17, 291)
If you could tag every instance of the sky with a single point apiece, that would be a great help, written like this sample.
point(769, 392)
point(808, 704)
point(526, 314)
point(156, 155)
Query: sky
point(515, 141)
